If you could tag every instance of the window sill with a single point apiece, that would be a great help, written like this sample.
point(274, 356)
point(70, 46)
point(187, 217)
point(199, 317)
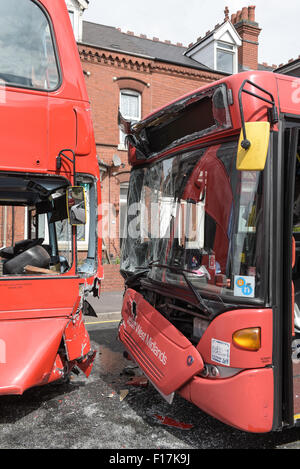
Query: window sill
point(122, 147)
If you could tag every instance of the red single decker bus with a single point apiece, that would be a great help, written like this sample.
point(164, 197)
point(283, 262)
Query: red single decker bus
point(212, 250)
point(50, 257)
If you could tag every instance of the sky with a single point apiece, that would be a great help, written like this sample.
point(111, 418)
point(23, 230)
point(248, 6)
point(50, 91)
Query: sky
point(184, 21)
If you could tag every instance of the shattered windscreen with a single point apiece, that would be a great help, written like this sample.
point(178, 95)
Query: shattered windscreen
point(194, 213)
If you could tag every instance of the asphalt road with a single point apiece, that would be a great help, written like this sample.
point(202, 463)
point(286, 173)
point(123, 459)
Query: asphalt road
point(89, 413)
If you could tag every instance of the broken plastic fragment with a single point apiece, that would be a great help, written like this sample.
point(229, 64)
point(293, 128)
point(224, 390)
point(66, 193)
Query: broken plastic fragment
point(172, 423)
point(123, 394)
point(138, 381)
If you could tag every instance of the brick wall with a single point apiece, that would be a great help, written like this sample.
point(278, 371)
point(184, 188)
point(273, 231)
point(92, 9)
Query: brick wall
point(113, 281)
point(15, 217)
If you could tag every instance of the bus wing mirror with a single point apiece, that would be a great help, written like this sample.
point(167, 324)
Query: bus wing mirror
point(252, 152)
point(76, 205)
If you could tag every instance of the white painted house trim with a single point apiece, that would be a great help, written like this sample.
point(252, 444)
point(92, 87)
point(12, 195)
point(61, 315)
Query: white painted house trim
point(76, 8)
point(205, 51)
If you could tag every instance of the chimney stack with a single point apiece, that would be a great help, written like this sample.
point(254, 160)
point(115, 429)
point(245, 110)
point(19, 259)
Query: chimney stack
point(246, 26)
point(226, 11)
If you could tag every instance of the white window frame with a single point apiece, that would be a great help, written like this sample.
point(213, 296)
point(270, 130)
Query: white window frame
point(137, 94)
point(227, 49)
point(123, 206)
point(72, 18)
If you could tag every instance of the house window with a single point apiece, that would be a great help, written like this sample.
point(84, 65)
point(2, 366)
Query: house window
point(71, 14)
point(225, 57)
point(130, 108)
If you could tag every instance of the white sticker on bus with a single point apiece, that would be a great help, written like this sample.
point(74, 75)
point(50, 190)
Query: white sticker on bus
point(220, 352)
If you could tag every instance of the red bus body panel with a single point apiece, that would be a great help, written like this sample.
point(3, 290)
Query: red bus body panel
point(244, 401)
point(162, 352)
point(30, 351)
point(38, 314)
point(222, 328)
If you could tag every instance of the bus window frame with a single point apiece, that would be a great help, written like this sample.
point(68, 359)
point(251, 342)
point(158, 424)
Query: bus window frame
point(282, 275)
point(91, 212)
point(56, 54)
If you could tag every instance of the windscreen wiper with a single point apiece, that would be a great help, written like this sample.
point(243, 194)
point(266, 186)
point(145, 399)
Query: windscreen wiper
point(131, 280)
point(201, 303)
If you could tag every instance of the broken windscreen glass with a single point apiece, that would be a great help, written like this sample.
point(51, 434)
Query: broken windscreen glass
point(192, 117)
point(197, 212)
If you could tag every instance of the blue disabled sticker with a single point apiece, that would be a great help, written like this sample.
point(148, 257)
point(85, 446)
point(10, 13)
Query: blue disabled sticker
point(244, 286)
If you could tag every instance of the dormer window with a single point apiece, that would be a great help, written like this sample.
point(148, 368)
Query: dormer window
point(225, 57)
point(218, 50)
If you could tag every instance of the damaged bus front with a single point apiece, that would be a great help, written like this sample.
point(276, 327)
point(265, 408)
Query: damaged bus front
point(207, 291)
point(49, 197)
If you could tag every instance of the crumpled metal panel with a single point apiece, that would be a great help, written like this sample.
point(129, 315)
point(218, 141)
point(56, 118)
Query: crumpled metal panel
point(76, 338)
point(30, 348)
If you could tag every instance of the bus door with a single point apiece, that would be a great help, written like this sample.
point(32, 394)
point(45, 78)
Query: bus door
point(290, 324)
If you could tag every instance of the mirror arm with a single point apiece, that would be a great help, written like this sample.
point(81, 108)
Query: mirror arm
point(73, 161)
point(272, 113)
point(245, 143)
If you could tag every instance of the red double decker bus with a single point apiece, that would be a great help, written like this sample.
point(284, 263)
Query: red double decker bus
point(50, 256)
point(211, 255)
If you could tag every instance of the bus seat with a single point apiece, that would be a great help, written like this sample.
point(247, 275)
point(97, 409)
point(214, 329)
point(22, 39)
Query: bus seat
point(36, 256)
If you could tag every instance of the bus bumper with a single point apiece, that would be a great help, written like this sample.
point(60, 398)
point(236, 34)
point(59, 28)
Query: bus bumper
point(244, 401)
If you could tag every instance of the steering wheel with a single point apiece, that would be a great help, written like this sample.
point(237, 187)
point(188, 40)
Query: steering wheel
point(22, 246)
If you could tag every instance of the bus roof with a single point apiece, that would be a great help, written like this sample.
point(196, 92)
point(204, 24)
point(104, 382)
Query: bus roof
point(213, 110)
point(234, 82)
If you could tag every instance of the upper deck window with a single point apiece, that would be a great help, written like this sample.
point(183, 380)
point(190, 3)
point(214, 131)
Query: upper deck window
point(191, 118)
point(27, 55)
